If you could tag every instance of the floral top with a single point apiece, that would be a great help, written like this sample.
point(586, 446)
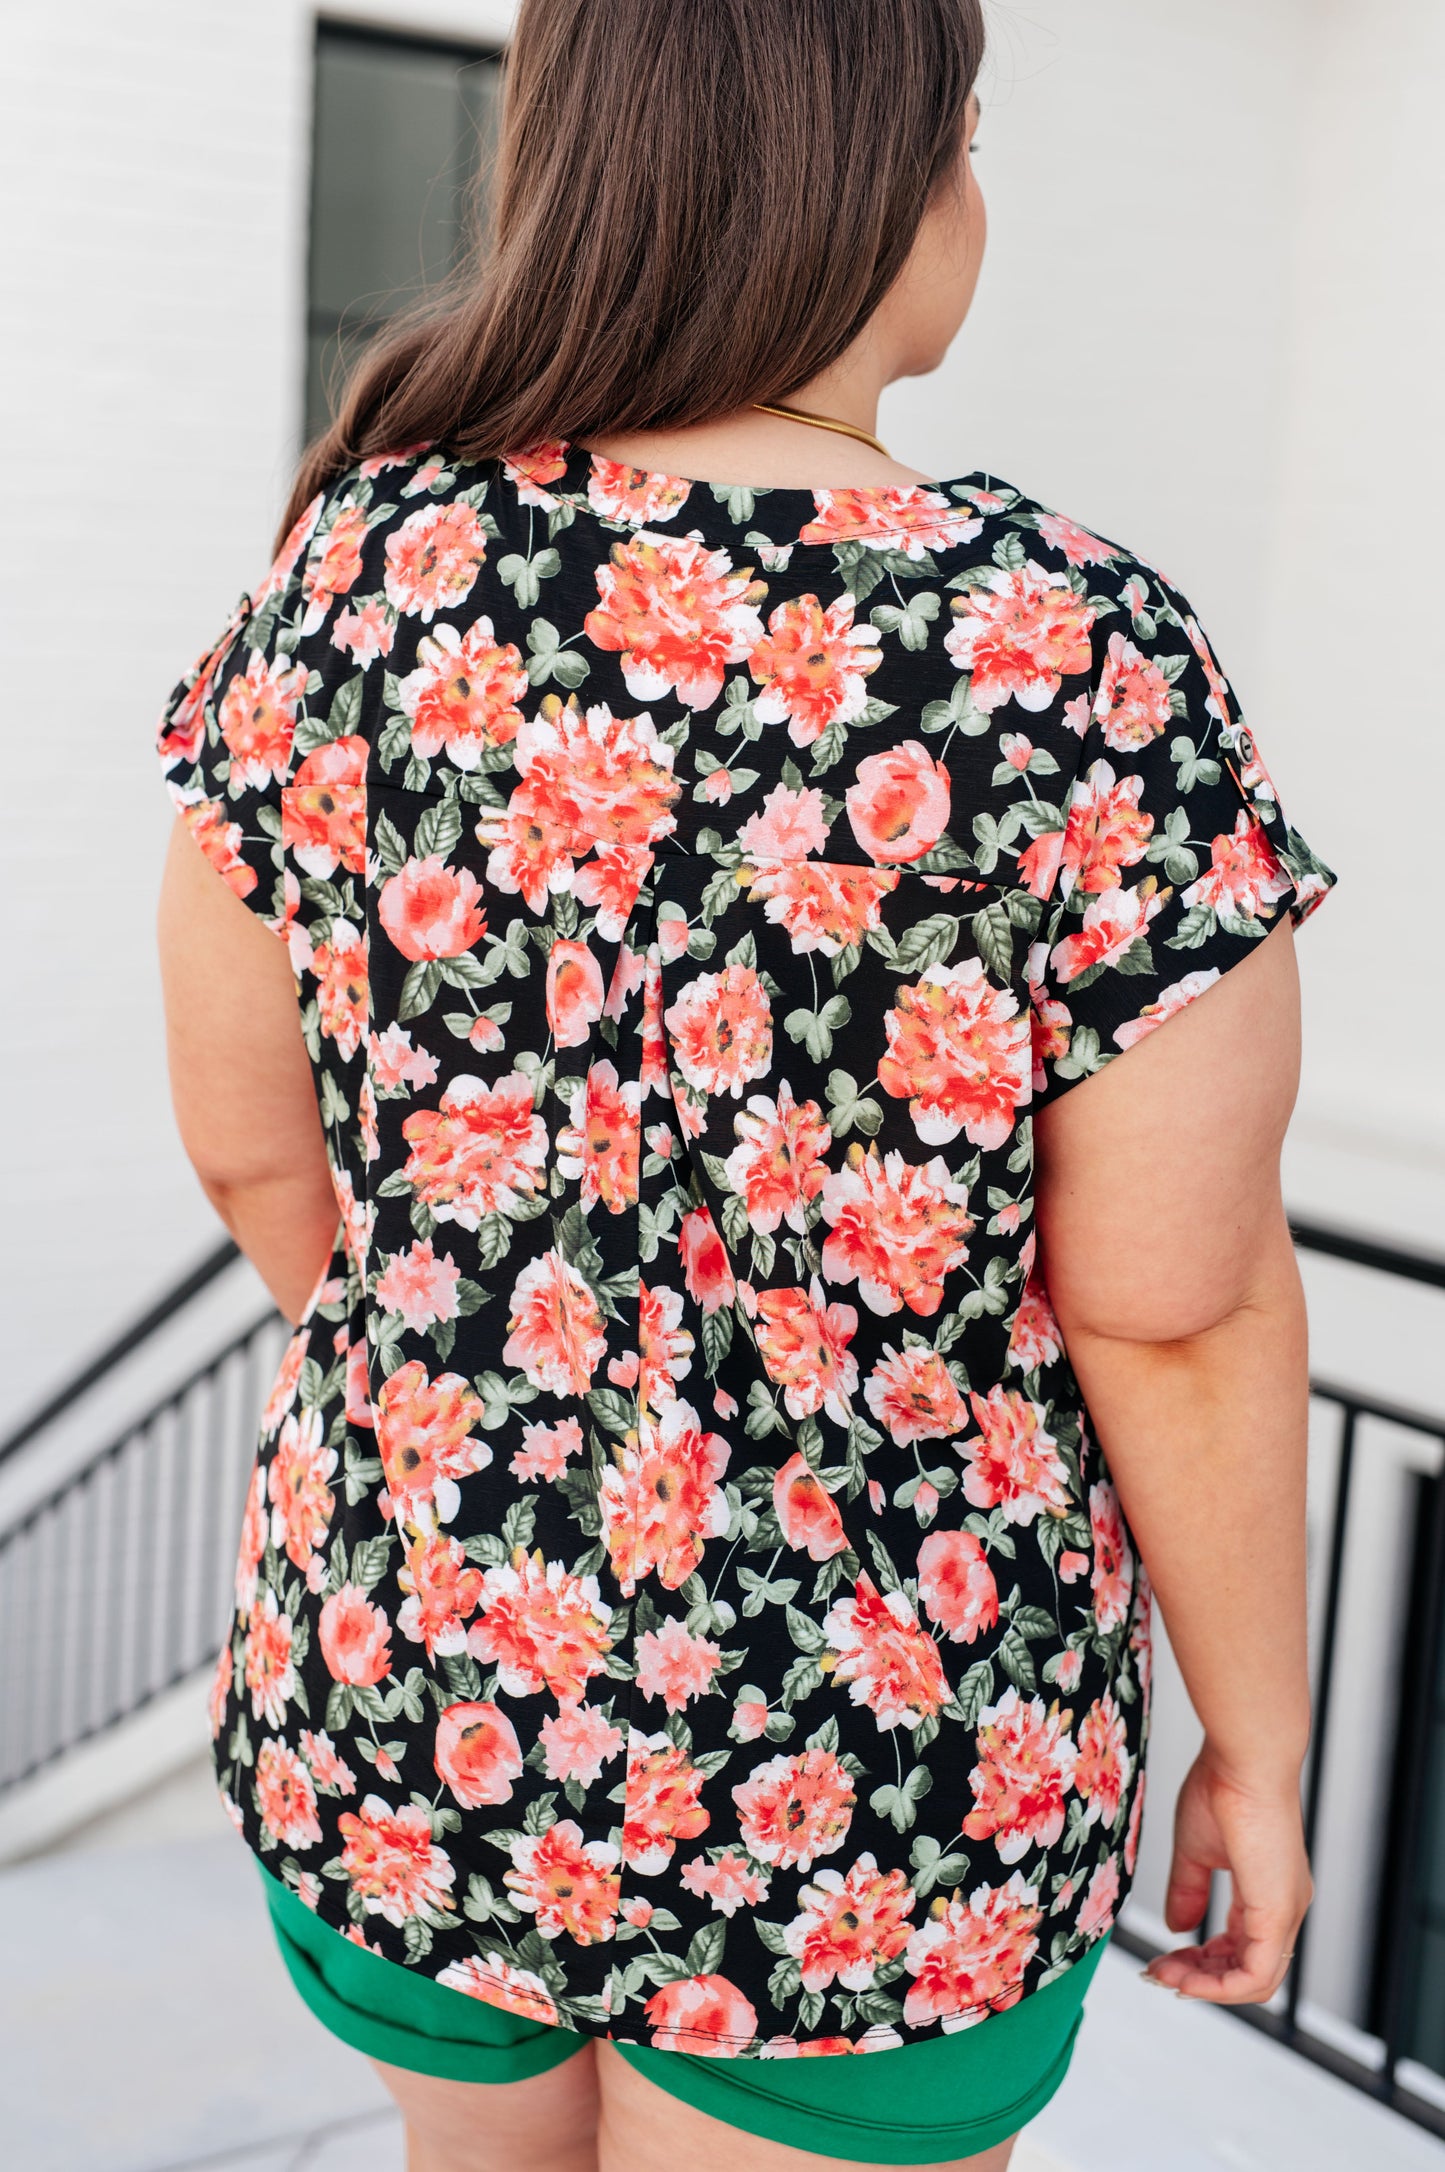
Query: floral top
point(680, 1593)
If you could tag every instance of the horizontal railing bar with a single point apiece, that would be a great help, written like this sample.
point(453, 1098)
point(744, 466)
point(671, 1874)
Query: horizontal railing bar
point(137, 1426)
point(1386, 1259)
point(111, 1719)
point(139, 1331)
point(1368, 1406)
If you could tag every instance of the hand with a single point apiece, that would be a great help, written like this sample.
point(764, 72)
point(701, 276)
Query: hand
point(1252, 1829)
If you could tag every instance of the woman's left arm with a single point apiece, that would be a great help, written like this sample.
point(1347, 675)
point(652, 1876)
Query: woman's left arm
point(240, 1080)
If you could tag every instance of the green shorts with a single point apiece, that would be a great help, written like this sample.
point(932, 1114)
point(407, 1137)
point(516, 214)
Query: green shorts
point(948, 2096)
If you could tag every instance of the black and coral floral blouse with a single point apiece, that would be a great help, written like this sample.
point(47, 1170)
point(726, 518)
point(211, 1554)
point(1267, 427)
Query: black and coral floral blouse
point(680, 1593)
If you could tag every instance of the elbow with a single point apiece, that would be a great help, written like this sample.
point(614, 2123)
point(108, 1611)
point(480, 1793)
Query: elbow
point(1183, 1303)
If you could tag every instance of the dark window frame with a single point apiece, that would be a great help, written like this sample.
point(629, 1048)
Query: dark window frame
point(325, 322)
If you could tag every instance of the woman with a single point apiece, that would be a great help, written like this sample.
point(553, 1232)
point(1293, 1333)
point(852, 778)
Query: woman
point(691, 1611)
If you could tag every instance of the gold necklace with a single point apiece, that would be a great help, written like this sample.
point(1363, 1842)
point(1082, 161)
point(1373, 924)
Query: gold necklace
point(824, 422)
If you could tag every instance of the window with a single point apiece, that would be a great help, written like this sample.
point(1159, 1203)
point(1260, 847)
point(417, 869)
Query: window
point(400, 126)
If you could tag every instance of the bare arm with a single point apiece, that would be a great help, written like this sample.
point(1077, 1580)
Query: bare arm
point(240, 1080)
point(1168, 1258)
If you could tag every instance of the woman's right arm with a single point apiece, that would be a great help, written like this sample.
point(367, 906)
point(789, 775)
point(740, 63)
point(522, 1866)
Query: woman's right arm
point(1165, 1247)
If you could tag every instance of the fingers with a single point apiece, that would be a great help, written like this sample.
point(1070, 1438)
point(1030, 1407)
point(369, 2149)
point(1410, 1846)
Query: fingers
point(1188, 1895)
point(1234, 1968)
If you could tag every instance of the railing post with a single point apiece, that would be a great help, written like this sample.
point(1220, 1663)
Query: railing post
point(1418, 1727)
point(1334, 1578)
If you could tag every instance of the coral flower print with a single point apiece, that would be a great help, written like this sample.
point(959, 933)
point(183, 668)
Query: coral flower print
point(959, 1053)
point(420, 1288)
point(577, 1742)
point(555, 1327)
point(336, 569)
point(898, 804)
point(913, 1396)
point(301, 1500)
point(1097, 1914)
point(896, 1228)
point(706, 1268)
point(824, 905)
point(813, 664)
point(803, 1342)
point(661, 1501)
point(1113, 1573)
point(794, 1809)
point(323, 810)
point(463, 695)
point(662, 1805)
point(1244, 876)
point(327, 1769)
point(789, 825)
point(477, 1754)
point(705, 2015)
point(441, 1591)
point(482, 1151)
point(780, 1163)
point(722, 1030)
point(912, 520)
point(575, 995)
point(679, 1469)
point(1025, 1768)
point(1106, 830)
point(728, 1884)
point(679, 613)
point(969, 1958)
point(850, 1925)
point(498, 1983)
point(1036, 1338)
point(343, 987)
point(664, 1347)
point(220, 841)
point(425, 1438)
point(1102, 1771)
point(270, 1670)
point(891, 1666)
point(601, 1148)
point(1076, 543)
point(542, 1627)
point(633, 494)
point(258, 720)
point(431, 910)
point(807, 1515)
point(956, 1585)
point(1013, 1462)
point(1134, 702)
point(355, 1637)
point(1020, 636)
point(675, 1665)
point(394, 1867)
point(1113, 923)
point(285, 1797)
point(567, 1884)
point(433, 559)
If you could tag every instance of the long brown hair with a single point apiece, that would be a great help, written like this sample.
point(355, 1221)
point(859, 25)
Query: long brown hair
point(698, 203)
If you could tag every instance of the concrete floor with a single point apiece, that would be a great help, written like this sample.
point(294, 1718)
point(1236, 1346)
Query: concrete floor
point(146, 2025)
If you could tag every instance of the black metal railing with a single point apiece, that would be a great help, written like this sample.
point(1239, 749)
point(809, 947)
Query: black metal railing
point(1419, 1764)
point(115, 1583)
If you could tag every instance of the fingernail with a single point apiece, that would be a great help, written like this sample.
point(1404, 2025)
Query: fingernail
point(1147, 1976)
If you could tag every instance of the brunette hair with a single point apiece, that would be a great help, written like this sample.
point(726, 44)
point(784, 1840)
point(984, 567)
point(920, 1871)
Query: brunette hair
point(697, 203)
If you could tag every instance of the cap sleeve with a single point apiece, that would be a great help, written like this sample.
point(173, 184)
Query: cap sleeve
point(1176, 857)
point(227, 735)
